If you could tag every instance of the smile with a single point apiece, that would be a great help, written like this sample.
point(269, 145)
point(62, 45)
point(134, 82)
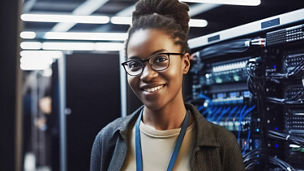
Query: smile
point(153, 89)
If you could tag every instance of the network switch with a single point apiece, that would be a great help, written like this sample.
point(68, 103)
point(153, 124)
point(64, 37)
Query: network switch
point(286, 35)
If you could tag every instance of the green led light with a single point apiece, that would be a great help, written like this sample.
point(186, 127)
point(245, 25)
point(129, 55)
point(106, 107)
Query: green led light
point(236, 78)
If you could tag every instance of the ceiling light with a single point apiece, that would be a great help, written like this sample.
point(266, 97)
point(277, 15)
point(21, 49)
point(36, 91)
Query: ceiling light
point(82, 46)
point(128, 21)
point(121, 20)
point(65, 18)
point(109, 46)
point(227, 2)
point(28, 35)
point(30, 45)
point(41, 53)
point(86, 36)
point(197, 23)
point(38, 59)
point(35, 62)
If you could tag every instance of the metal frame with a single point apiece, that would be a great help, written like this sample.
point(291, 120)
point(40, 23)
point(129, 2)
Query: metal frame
point(250, 28)
point(123, 85)
point(62, 116)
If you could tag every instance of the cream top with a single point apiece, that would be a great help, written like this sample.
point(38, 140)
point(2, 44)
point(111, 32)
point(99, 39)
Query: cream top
point(157, 148)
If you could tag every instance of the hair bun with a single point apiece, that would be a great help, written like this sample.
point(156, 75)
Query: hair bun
point(168, 8)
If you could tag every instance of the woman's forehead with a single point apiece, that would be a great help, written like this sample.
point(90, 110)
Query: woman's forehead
point(147, 41)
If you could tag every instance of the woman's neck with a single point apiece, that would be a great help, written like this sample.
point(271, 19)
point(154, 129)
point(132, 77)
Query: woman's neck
point(169, 117)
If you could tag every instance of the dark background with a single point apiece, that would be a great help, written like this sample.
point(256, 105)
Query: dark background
point(93, 96)
point(9, 98)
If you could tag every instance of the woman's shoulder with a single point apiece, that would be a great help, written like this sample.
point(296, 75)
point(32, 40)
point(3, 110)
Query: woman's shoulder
point(119, 125)
point(221, 133)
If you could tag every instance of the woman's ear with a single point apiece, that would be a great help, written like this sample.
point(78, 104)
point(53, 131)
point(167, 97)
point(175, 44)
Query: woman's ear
point(186, 63)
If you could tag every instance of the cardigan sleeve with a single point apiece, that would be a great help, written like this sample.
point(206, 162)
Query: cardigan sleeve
point(104, 146)
point(95, 162)
point(233, 157)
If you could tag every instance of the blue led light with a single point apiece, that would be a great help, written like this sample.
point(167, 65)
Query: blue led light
point(274, 66)
point(277, 145)
point(276, 128)
point(246, 93)
point(220, 95)
point(257, 130)
point(232, 94)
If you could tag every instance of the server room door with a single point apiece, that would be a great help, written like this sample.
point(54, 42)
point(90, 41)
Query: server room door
point(93, 95)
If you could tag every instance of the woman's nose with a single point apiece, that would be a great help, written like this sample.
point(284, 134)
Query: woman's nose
point(148, 73)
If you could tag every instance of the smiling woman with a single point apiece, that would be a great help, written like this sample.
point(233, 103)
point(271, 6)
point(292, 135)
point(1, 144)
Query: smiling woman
point(165, 133)
point(167, 82)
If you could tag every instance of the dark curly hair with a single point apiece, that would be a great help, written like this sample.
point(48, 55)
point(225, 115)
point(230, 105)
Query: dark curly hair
point(170, 16)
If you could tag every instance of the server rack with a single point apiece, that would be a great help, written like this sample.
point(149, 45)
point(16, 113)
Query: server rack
point(250, 79)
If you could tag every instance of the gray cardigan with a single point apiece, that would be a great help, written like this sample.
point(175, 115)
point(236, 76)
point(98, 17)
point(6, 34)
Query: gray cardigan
point(215, 148)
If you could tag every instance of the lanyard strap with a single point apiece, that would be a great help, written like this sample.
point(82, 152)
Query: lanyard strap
point(177, 147)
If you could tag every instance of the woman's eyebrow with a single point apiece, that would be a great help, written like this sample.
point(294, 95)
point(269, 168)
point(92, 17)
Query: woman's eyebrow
point(133, 57)
point(158, 51)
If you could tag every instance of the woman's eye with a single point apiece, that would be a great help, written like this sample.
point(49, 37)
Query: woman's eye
point(133, 64)
point(160, 59)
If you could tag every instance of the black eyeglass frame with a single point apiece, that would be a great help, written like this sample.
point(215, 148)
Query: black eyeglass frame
point(143, 61)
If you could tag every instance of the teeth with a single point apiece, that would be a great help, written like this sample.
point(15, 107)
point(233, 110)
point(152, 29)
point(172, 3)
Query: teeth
point(153, 89)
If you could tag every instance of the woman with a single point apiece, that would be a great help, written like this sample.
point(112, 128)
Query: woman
point(165, 133)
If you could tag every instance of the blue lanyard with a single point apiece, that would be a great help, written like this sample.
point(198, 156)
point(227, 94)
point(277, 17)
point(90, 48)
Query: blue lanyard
point(176, 148)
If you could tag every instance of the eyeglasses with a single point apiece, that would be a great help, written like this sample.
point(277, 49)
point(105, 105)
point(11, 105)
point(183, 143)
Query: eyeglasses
point(157, 62)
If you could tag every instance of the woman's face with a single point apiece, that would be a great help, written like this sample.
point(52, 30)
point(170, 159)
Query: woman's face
point(156, 89)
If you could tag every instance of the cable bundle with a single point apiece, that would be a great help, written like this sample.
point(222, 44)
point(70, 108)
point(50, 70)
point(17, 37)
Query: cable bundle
point(252, 67)
point(255, 84)
point(251, 159)
point(296, 70)
point(282, 164)
point(286, 137)
point(292, 100)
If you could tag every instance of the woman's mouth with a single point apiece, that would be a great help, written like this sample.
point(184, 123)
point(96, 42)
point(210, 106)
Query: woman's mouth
point(153, 89)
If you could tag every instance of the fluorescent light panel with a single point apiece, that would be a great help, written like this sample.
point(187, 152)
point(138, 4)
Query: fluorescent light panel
point(38, 59)
point(227, 2)
point(86, 36)
point(35, 62)
point(75, 46)
point(28, 35)
point(30, 45)
point(65, 18)
point(93, 19)
point(198, 23)
point(41, 53)
point(121, 20)
point(128, 21)
point(82, 46)
point(109, 46)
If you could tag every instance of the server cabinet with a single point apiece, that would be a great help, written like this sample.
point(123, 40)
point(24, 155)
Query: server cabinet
point(92, 99)
point(249, 79)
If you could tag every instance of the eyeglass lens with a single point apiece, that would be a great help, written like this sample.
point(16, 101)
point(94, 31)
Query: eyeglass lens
point(157, 62)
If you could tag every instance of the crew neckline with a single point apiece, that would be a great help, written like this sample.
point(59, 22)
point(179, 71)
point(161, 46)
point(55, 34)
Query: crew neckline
point(155, 133)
